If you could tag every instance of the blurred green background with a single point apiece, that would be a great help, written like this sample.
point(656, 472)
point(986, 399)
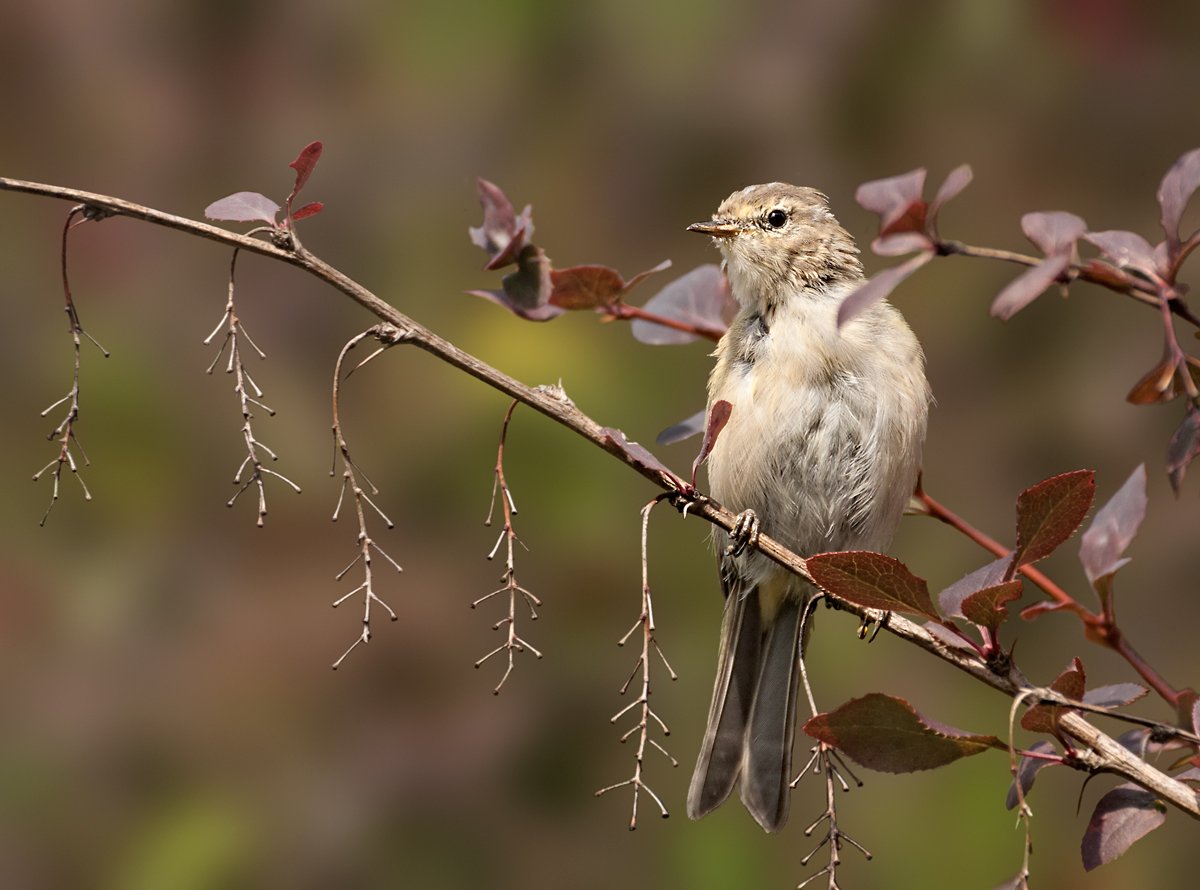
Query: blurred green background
point(168, 717)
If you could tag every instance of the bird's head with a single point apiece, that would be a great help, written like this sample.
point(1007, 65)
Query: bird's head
point(778, 239)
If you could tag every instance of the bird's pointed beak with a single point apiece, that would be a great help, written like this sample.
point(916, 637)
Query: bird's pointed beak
point(715, 228)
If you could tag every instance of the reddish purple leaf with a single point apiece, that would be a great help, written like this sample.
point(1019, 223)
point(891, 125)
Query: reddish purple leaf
point(685, 429)
point(1122, 817)
point(1027, 770)
point(947, 637)
point(872, 580)
point(990, 575)
point(887, 734)
point(1177, 188)
point(957, 180)
point(1137, 741)
point(1100, 272)
point(1126, 249)
point(530, 286)
point(902, 243)
point(1158, 385)
point(1183, 447)
point(585, 287)
point(243, 207)
point(1049, 513)
point(527, 290)
point(640, 456)
point(646, 273)
point(718, 416)
point(590, 287)
point(310, 209)
point(1028, 286)
point(538, 313)
point(503, 235)
point(1162, 255)
point(897, 200)
point(878, 286)
point(1031, 612)
point(987, 607)
point(1071, 683)
point(1190, 706)
point(1116, 695)
point(1113, 527)
point(1053, 231)
point(699, 298)
point(304, 165)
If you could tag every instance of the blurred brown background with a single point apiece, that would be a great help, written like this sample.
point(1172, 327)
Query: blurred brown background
point(168, 717)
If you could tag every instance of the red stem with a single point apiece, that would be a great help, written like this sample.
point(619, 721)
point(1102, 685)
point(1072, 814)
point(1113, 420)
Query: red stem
point(1098, 628)
point(625, 311)
point(944, 514)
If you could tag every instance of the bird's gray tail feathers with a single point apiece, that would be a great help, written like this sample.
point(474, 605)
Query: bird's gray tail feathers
point(751, 722)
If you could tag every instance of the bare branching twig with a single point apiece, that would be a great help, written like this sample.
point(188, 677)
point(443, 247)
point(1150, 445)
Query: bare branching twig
point(827, 763)
point(513, 643)
point(388, 335)
point(64, 434)
point(647, 718)
point(249, 396)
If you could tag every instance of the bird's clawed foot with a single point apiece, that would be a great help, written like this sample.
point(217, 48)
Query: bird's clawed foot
point(873, 617)
point(743, 534)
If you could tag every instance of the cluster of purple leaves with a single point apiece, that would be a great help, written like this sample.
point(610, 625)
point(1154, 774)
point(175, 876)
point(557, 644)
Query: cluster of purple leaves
point(255, 207)
point(697, 303)
point(887, 733)
point(698, 300)
point(535, 290)
point(908, 224)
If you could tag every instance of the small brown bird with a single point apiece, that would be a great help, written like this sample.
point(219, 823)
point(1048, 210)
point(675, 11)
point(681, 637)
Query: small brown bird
point(823, 446)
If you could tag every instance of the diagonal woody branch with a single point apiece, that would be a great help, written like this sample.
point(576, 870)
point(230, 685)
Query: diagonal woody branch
point(1105, 754)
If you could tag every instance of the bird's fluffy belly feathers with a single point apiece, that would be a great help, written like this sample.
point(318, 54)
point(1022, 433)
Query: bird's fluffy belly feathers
point(800, 447)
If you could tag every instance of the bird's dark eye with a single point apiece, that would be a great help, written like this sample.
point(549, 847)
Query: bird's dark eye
point(777, 218)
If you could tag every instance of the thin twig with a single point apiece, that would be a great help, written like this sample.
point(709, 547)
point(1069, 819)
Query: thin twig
point(826, 762)
point(1106, 276)
point(366, 545)
point(513, 643)
point(641, 705)
point(249, 396)
point(626, 312)
point(65, 433)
